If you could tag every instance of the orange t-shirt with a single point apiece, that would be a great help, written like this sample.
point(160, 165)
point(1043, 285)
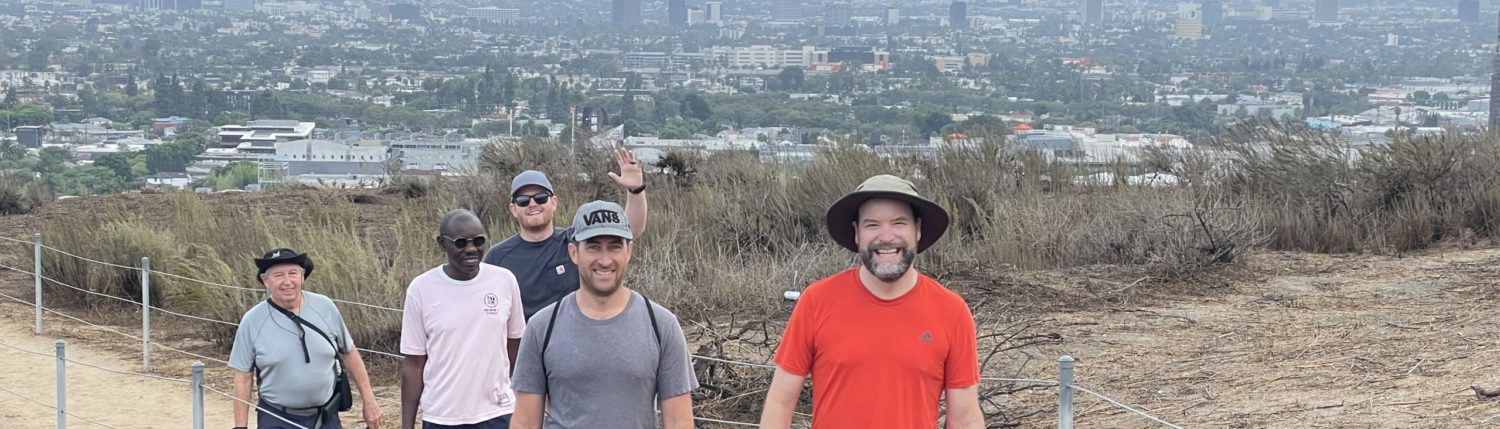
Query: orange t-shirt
point(876, 363)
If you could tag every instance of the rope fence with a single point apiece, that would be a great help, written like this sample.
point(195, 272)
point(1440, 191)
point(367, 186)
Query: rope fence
point(1064, 383)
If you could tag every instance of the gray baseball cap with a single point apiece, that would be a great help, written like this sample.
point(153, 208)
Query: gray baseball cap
point(529, 178)
point(600, 218)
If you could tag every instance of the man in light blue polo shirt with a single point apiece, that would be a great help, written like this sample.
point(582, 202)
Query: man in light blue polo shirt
point(286, 344)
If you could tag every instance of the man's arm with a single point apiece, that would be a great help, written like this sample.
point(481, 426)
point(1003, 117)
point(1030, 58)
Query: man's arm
point(411, 388)
point(781, 400)
point(528, 414)
point(632, 176)
point(677, 412)
point(356, 367)
point(963, 408)
point(513, 349)
point(242, 382)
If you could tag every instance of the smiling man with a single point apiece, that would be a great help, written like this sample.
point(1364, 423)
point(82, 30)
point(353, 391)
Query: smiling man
point(293, 346)
point(460, 329)
point(882, 342)
point(603, 357)
point(538, 253)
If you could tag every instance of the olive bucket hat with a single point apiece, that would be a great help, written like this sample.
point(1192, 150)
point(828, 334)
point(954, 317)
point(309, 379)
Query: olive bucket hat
point(843, 213)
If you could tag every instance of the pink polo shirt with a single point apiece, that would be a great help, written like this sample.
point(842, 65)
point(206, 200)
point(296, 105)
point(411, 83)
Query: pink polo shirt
point(462, 327)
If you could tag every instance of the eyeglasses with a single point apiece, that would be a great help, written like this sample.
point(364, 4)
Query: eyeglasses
point(525, 200)
point(464, 242)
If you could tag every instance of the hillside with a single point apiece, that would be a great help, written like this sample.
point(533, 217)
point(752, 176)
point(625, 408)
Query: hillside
point(1279, 339)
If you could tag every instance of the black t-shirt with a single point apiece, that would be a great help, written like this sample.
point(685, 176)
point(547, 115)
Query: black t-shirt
point(543, 268)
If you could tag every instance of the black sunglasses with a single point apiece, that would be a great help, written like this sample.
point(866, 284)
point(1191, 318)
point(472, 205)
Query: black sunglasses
point(525, 200)
point(464, 242)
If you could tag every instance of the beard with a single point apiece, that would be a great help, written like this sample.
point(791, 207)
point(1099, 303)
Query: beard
point(587, 283)
point(890, 271)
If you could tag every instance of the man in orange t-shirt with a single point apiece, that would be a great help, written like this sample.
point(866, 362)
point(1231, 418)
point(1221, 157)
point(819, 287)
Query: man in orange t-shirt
point(883, 342)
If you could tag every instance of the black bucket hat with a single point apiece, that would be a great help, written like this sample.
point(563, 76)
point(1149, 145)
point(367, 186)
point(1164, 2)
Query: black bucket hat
point(283, 256)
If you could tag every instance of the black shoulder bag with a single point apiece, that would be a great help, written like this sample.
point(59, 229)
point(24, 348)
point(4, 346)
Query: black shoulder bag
point(342, 399)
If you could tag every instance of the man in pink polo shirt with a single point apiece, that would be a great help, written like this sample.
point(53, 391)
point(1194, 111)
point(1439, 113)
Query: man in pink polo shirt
point(456, 370)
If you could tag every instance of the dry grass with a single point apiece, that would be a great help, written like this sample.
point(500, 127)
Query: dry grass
point(729, 233)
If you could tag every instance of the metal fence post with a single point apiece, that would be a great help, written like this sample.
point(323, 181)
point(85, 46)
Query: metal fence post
point(1065, 392)
point(36, 272)
point(146, 314)
point(198, 395)
point(62, 385)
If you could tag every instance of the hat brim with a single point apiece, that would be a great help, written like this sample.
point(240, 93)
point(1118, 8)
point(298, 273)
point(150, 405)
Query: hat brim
point(300, 259)
point(843, 213)
point(579, 237)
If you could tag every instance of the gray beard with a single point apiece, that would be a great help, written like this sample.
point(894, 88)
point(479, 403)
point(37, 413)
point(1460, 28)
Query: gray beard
point(887, 272)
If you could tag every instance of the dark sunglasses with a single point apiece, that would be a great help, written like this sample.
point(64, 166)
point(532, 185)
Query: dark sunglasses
point(525, 200)
point(464, 242)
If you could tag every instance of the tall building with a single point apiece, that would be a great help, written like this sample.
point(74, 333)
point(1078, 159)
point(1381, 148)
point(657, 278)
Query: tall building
point(239, 5)
point(1326, 11)
point(496, 15)
point(625, 13)
point(786, 10)
point(1213, 13)
point(1093, 13)
point(405, 12)
point(1468, 11)
point(1495, 90)
point(837, 14)
point(958, 14)
point(714, 11)
point(677, 13)
point(892, 16)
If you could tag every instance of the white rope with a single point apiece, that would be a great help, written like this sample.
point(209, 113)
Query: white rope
point(17, 240)
point(221, 322)
point(54, 408)
point(220, 285)
point(1021, 380)
point(257, 407)
point(361, 304)
point(752, 364)
point(91, 260)
point(157, 344)
point(381, 353)
point(1126, 407)
point(706, 419)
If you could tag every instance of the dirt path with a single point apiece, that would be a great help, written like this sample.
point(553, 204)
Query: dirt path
point(1313, 341)
point(123, 401)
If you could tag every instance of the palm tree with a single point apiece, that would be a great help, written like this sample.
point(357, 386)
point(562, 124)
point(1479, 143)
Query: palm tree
point(11, 150)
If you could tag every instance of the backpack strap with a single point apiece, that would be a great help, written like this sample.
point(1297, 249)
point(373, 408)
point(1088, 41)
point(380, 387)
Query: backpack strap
point(547, 339)
point(651, 312)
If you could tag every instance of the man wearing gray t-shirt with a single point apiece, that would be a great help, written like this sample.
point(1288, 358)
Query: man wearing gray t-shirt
point(603, 356)
point(288, 345)
point(538, 253)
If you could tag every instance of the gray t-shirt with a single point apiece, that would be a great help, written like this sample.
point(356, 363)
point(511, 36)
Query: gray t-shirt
point(272, 343)
point(543, 268)
point(604, 373)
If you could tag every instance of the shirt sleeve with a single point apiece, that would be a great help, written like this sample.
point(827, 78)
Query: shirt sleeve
point(674, 372)
point(515, 327)
point(962, 368)
point(340, 329)
point(529, 376)
point(794, 355)
point(242, 353)
point(413, 331)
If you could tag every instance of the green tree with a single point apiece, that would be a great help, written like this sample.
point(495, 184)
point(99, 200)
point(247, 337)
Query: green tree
point(694, 106)
point(932, 122)
point(791, 79)
point(52, 158)
point(119, 163)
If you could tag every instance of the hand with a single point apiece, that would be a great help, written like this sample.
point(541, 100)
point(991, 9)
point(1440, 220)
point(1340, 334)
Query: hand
point(631, 175)
point(372, 414)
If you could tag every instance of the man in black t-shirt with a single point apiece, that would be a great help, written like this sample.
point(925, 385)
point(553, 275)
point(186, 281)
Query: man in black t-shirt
point(538, 253)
